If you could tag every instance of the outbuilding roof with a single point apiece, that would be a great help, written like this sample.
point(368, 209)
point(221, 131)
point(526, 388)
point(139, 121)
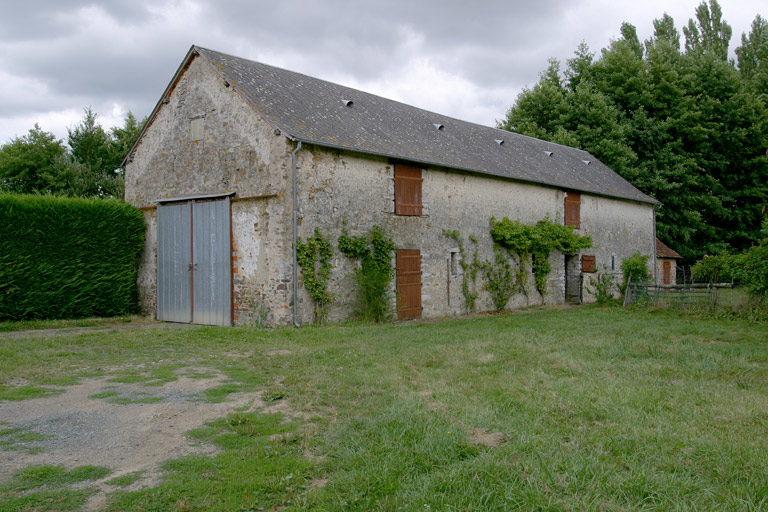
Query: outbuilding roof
point(318, 112)
point(663, 251)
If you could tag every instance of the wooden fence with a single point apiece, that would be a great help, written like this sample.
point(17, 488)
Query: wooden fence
point(694, 293)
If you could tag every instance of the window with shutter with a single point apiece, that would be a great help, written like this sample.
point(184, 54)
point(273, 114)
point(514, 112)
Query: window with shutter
point(573, 209)
point(587, 263)
point(407, 190)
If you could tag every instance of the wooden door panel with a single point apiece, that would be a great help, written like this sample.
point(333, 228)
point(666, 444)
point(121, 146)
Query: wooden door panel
point(408, 281)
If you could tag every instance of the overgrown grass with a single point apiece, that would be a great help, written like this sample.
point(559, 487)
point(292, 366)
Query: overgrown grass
point(598, 409)
point(26, 325)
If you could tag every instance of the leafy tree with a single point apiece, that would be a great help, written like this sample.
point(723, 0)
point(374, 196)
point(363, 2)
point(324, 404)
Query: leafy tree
point(752, 58)
point(28, 162)
point(38, 162)
point(687, 128)
point(709, 34)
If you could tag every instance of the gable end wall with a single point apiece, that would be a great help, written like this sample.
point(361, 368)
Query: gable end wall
point(207, 140)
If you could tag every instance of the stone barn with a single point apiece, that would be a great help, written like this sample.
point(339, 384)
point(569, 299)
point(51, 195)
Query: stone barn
point(238, 159)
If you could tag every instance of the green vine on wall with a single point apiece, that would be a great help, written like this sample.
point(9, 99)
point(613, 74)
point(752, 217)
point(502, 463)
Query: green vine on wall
point(374, 251)
point(537, 241)
point(501, 281)
point(470, 269)
point(314, 257)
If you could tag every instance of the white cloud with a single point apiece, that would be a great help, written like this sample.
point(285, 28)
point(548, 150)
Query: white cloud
point(463, 59)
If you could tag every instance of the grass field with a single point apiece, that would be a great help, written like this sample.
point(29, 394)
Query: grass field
point(580, 409)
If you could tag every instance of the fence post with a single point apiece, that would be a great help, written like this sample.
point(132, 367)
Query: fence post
point(628, 292)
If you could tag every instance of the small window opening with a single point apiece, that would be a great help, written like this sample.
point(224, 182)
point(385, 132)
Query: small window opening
point(455, 257)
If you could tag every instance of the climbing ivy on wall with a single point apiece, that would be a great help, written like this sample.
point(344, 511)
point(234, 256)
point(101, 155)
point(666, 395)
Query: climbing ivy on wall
point(314, 257)
point(470, 269)
point(538, 241)
point(501, 281)
point(374, 250)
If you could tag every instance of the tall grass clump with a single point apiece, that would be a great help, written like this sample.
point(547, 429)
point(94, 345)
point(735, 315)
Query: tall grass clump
point(68, 257)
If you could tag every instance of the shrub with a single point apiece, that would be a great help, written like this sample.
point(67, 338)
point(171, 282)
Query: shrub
point(714, 269)
point(68, 258)
point(634, 267)
point(602, 286)
point(752, 270)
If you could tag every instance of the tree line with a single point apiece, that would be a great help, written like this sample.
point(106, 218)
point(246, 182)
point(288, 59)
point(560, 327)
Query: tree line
point(89, 165)
point(684, 124)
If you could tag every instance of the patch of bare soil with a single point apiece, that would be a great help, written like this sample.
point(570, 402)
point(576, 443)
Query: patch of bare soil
point(489, 439)
point(81, 429)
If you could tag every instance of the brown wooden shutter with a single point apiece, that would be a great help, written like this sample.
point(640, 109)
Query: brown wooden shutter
point(666, 272)
point(587, 263)
point(408, 270)
point(407, 190)
point(573, 209)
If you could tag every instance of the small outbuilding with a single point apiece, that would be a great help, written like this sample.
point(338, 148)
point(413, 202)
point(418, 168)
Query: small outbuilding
point(239, 159)
point(666, 263)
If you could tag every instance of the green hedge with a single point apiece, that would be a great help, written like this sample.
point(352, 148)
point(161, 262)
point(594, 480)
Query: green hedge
point(68, 258)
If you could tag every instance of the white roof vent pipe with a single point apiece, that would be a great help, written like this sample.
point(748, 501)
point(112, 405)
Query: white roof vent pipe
point(500, 142)
point(348, 103)
point(587, 162)
point(439, 126)
point(549, 153)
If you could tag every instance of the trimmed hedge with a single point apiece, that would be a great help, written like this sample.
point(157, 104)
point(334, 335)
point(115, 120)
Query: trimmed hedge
point(68, 258)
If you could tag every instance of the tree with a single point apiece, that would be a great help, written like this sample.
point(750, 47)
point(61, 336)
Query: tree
point(28, 162)
point(686, 128)
point(752, 58)
point(38, 162)
point(709, 34)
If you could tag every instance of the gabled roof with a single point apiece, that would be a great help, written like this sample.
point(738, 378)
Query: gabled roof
point(326, 114)
point(663, 251)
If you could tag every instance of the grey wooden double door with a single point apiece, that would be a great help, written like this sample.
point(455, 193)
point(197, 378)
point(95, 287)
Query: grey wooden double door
point(194, 267)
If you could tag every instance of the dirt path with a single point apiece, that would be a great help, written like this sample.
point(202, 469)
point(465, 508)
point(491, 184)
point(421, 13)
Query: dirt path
point(77, 428)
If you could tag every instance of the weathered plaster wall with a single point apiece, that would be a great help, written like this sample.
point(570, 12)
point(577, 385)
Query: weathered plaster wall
point(207, 140)
point(337, 187)
point(618, 229)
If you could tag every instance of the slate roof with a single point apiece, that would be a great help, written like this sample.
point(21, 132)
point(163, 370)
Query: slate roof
point(313, 111)
point(663, 251)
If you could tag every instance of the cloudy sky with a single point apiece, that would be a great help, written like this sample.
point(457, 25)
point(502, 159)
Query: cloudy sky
point(465, 58)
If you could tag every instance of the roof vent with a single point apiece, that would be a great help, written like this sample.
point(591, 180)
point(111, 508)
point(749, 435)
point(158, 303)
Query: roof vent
point(438, 126)
point(500, 141)
point(549, 153)
point(587, 161)
point(347, 103)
